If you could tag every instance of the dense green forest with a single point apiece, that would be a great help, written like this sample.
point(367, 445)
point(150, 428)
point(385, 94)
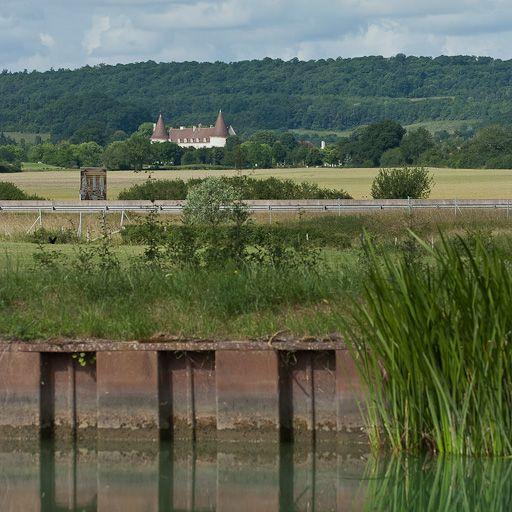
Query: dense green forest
point(93, 103)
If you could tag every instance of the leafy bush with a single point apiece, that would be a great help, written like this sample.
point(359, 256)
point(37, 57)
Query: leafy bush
point(319, 233)
point(237, 244)
point(248, 188)
point(6, 167)
point(401, 183)
point(10, 192)
point(213, 202)
point(157, 190)
point(215, 233)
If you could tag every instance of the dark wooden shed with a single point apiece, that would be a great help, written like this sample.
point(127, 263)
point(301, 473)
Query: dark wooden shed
point(93, 184)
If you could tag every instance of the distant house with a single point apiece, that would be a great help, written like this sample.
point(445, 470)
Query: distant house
point(196, 136)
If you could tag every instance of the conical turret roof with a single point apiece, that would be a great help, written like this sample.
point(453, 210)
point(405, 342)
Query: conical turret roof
point(221, 129)
point(160, 133)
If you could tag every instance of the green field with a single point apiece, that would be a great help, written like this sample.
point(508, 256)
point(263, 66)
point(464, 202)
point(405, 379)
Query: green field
point(39, 166)
point(449, 126)
point(437, 126)
point(449, 183)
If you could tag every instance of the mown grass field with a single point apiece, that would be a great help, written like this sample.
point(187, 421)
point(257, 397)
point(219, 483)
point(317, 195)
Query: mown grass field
point(449, 183)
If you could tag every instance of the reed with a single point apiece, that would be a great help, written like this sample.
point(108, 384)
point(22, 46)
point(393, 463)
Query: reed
point(433, 344)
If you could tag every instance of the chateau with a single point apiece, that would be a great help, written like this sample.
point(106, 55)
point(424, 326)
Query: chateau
point(196, 136)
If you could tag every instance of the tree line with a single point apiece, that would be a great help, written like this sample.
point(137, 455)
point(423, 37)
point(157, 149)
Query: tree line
point(264, 149)
point(383, 144)
point(99, 103)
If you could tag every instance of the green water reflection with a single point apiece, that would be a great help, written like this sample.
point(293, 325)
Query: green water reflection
point(204, 477)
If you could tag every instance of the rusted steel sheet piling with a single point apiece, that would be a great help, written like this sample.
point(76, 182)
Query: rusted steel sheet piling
point(179, 390)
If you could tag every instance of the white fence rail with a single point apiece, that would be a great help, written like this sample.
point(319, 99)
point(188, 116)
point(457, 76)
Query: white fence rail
point(176, 207)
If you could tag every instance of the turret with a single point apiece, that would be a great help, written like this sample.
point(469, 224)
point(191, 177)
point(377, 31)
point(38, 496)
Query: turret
point(159, 132)
point(221, 129)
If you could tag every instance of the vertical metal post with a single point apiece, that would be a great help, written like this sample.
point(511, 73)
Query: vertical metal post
point(79, 232)
point(122, 219)
point(270, 214)
point(40, 218)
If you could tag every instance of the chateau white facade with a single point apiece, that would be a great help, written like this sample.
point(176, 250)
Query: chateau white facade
point(195, 137)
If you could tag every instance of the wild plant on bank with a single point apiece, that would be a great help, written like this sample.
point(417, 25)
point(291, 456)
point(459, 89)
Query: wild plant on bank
point(434, 348)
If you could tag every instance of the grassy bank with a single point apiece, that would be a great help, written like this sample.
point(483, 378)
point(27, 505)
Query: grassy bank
point(449, 183)
point(138, 302)
point(65, 289)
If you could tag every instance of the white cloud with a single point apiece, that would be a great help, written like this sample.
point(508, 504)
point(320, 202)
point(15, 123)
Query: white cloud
point(46, 40)
point(92, 38)
point(110, 31)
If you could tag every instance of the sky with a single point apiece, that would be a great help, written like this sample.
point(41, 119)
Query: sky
point(44, 34)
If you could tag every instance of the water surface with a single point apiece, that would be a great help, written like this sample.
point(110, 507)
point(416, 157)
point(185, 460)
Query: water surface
point(242, 477)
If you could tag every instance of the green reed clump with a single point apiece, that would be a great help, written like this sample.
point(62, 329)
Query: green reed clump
point(433, 344)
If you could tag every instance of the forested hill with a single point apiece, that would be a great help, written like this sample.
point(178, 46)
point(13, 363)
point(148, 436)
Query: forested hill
point(273, 94)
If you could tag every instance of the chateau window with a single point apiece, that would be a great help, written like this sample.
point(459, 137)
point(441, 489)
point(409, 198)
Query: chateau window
point(204, 140)
point(186, 140)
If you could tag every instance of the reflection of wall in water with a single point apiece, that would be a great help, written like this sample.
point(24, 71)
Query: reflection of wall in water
point(182, 476)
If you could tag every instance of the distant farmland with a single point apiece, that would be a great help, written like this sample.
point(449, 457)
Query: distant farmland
point(449, 183)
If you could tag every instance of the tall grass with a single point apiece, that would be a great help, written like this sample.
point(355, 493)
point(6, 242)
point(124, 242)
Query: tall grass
point(135, 301)
point(433, 344)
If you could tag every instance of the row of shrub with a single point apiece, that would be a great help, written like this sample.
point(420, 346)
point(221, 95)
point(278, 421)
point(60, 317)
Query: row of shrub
point(6, 167)
point(318, 234)
point(247, 188)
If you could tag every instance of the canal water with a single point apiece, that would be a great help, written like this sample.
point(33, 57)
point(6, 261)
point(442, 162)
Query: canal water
point(243, 477)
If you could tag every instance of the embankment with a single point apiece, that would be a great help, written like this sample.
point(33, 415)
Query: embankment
point(190, 390)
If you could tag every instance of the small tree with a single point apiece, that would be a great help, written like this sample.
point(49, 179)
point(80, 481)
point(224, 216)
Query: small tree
point(213, 202)
point(401, 183)
point(138, 149)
